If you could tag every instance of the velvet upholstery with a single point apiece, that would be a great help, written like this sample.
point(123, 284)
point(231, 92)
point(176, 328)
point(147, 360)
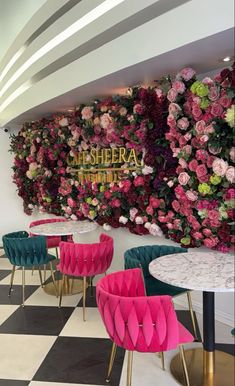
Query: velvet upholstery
point(142, 256)
point(86, 259)
point(26, 251)
point(52, 241)
point(134, 321)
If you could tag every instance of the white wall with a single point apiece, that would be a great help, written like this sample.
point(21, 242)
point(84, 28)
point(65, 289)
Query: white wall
point(13, 219)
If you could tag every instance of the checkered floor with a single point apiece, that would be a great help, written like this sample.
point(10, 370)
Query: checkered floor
point(42, 345)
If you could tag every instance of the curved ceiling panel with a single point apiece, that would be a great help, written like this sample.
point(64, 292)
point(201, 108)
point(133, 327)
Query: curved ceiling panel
point(104, 45)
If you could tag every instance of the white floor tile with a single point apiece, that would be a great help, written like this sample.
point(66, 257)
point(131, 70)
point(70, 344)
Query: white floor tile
point(21, 355)
point(5, 264)
point(29, 278)
point(41, 298)
point(6, 310)
point(93, 327)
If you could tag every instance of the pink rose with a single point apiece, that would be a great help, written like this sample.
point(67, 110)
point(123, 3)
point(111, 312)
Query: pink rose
point(213, 94)
point(183, 123)
point(197, 235)
point(210, 161)
point(200, 127)
point(172, 95)
point(133, 212)
point(207, 80)
point(183, 163)
point(171, 120)
point(196, 111)
point(138, 109)
point(201, 170)
point(178, 86)
point(216, 109)
point(139, 220)
point(207, 232)
point(187, 149)
point(162, 219)
point(232, 154)
point(71, 202)
point(149, 210)
point(211, 242)
point(174, 109)
point(187, 73)
point(159, 92)
point(176, 223)
point(219, 167)
point(179, 192)
point(225, 101)
point(191, 195)
point(87, 112)
point(193, 165)
point(204, 178)
point(213, 214)
point(215, 223)
point(209, 129)
point(183, 178)
point(138, 181)
point(201, 155)
point(188, 136)
point(230, 174)
point(175, 205)
point(182, 141)
point(106, 120)
point(107, 194)
point(155, 230)
point(230, 194)
point(155, 202)
point(203, 139)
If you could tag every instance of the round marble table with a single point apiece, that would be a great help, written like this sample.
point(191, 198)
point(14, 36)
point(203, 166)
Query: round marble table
point(64, 229)
point(209, 272)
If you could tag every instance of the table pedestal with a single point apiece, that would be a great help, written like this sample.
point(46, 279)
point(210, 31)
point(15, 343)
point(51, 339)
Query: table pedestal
point(71, 287)
point(207, 366)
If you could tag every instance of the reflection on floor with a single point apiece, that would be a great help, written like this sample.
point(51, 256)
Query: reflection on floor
point(42, 345)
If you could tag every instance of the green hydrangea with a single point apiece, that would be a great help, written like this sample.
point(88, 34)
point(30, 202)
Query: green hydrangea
point(89, 200)
point(199, 89)
point(102, 188)
point(230, 116)
point(185, 240)
point(204, 103)
point(215, 180)
point(204, 188)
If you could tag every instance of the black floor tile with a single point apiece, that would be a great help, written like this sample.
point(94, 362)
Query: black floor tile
point(13, 382)
point(35, 320)
point(228, 348)
point(185, 318)
point(16, 293)
point(80, 360)
point(90, 298)
point(4, 273)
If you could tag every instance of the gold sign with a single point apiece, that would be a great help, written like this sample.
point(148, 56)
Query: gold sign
point(85, 162)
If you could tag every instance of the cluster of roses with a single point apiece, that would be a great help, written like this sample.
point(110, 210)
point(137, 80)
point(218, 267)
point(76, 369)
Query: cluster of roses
point(183, 134)
point(201, 119)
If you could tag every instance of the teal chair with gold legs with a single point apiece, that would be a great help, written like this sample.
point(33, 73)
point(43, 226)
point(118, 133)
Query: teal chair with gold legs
point(26, 252)
point(140, 257)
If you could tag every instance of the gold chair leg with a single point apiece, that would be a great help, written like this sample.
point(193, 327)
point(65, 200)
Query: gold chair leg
point(111, 361)
point(84, 299)
point(190, 305)
point(44, 272)
point(61, 289)
point(12, 278)
point(40, 276)
point(162, 360)
point(184, 365)
point(129, 368)
point(56, 252)
point(32, 270)
point(53, 279)
point(91, 285)
point(23, 286)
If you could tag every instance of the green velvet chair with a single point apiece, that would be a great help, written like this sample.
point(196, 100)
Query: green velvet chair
point(26, 252)
point(141, 257)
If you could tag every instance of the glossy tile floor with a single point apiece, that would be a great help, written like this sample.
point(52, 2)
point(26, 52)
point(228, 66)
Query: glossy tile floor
point(42, 345)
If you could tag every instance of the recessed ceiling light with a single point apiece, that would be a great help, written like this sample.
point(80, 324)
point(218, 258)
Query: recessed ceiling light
point(227, 59)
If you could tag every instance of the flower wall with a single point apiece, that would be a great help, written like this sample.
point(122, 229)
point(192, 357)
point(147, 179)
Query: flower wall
point(182, 131)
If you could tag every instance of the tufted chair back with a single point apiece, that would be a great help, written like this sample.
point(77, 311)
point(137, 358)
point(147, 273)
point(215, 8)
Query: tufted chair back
point(86, 259)
point(25, 251)
point(142, 256)
point(52, 241)
point(134, 321)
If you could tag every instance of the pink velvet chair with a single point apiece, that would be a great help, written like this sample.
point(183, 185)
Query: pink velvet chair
point(138, 322)
point(52, 241)
point(87, 260)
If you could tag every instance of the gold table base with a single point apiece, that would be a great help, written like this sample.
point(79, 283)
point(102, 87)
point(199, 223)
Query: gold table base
point(223, 375)
point(71, 287)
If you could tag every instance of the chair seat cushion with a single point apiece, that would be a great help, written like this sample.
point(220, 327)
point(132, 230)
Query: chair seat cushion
point(49, 258)
point(157, 287)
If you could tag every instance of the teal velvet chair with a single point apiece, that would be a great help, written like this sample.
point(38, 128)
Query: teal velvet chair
point(26, 252)
point(141, 257)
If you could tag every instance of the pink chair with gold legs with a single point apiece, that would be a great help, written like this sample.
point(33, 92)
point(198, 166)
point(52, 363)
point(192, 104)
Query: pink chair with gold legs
point(87, 260)
point(137, 322)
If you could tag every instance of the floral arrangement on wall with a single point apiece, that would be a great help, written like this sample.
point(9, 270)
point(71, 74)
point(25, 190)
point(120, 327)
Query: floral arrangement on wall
point(182, 132)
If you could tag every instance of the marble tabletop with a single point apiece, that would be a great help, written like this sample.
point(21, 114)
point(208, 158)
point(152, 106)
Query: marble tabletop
point(63, 228)
point(205, 271)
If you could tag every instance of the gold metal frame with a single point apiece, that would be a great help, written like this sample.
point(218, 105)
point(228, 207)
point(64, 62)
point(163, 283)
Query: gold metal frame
point(111, 361)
